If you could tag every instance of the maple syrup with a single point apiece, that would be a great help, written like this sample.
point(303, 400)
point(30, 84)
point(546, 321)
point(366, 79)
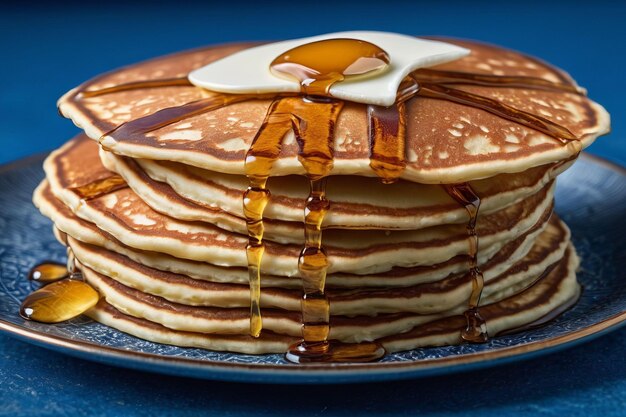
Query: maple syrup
point(387, 134)
point(434, 76)
point(263, 152)
point(333, 352)
point(63, 296)
point(285, 114)
point(170, 115)
point(476, 330)
point(100, 187)
point(59, 301)
point(441, 91)
point(316, 157)
point(318, 65)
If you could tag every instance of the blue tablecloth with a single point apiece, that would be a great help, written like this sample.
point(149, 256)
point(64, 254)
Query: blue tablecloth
point(50, 47)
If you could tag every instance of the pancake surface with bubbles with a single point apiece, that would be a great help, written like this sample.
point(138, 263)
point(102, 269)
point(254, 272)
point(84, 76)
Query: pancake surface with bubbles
point(466, 144)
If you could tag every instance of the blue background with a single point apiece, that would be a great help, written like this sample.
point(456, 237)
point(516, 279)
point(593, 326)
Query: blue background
point(47, 49)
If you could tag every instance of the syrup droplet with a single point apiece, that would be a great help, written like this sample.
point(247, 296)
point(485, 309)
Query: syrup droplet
point(318, 65)
point(47, 272)
point(59, 301)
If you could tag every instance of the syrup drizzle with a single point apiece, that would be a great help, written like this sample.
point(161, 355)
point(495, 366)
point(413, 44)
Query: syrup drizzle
point(387, 133)
point(438, 91)
point(138, 85)
point(310, 65)
point(433, 76)
point(260, 157)
point(171, 115)
point(47, 272)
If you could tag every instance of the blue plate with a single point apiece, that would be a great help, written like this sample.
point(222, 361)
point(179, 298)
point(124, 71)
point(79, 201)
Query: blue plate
point(591, 198)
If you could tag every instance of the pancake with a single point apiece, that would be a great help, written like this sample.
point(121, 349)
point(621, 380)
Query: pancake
point(86, 232)
point(197, 194)
point(556, 289)
point(236, 320)
point(543, 301)
point(126, 217)
point(268, 342)
point(435, 207)
point(428, 298)
point(467, 144)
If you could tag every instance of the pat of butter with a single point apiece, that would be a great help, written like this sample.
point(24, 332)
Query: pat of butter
point(248, 71)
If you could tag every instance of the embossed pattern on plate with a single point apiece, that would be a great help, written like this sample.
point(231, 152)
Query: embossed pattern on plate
point(591, 199)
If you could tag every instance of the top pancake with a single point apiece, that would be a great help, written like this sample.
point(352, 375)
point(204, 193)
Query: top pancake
point(446, 142)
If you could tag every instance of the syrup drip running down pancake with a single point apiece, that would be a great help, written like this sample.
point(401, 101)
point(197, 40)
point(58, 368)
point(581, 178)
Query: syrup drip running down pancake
point(430, 298)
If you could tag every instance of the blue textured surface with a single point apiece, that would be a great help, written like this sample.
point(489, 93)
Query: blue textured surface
point(59, 46)
point(585, 381)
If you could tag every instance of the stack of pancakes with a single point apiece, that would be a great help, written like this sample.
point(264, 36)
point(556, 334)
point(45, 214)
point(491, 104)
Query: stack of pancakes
point(156, 224)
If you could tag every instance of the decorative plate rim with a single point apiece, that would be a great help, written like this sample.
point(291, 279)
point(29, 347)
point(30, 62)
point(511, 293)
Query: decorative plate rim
point(336, 373)
point(500, 354)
